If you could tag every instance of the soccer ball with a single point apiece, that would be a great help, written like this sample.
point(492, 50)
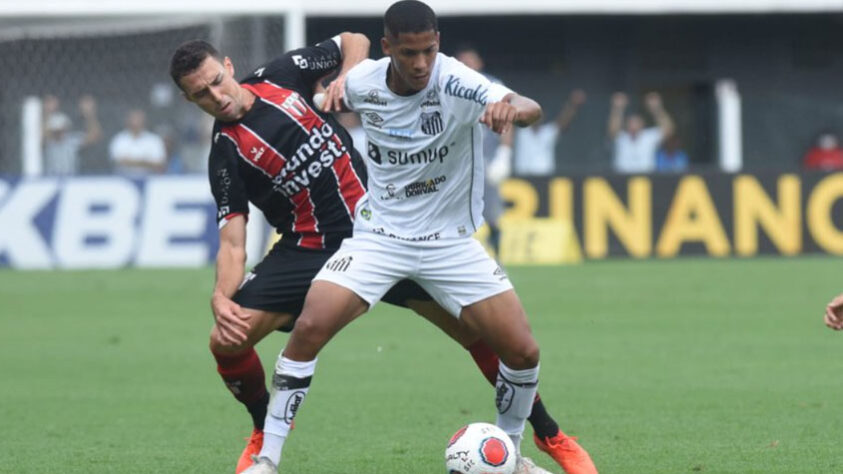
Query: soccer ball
point(480, 448)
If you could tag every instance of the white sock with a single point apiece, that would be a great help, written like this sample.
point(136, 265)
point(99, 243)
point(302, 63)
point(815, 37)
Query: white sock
point(515, 391)
point(290, 384)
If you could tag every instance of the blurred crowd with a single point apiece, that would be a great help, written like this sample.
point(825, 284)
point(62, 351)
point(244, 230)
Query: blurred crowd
point(640, 141)
point(132, 150)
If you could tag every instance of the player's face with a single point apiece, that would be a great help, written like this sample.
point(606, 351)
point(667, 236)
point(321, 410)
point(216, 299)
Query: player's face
point(413, 56)
point(212, 87)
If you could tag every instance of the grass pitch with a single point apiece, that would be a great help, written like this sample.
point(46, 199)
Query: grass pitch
point(716, 366)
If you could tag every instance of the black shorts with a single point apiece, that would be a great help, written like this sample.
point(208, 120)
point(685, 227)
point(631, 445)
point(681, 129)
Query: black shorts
point(280, 282)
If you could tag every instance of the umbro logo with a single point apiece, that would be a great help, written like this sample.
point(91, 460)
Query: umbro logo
point(339, 264)
point(500, 273)
point(374, 119)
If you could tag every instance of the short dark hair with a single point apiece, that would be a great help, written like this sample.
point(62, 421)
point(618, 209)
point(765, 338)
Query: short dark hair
point(409, 16)
point(189, 56)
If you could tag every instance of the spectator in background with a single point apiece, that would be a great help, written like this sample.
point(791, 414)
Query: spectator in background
point(635, 146)
point(61, 142)
point(826, 153)
point(535, 146)
point(671, 158)
point(137, 151)
point(351, 122)
point(497, 155)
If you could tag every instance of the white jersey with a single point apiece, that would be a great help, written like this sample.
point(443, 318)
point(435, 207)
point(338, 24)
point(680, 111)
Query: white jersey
point(425, 150)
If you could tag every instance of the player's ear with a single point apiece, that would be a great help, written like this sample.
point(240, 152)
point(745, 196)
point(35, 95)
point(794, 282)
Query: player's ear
point(385, 46)
point(229, 66)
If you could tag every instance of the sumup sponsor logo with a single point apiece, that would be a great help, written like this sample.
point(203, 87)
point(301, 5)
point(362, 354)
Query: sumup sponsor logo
point(319, 152)
point(453, 87)
point(422, 157)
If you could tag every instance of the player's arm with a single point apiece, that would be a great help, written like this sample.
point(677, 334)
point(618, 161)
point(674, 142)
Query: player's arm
point(354, 48)
point(513, 109)
point(834, 313)
point(231, 320)
point(232, 208)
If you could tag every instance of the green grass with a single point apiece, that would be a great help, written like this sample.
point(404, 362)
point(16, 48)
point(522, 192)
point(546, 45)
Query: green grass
point(714, 366)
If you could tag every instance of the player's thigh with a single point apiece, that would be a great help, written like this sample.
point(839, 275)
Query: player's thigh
point(460, 273)
point(327, 309)
point(408, 294)
point(261, 323)
point(501, 322)
point(279, 283)
point(369, 265)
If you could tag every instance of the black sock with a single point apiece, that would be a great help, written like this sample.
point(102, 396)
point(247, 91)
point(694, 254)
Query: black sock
point(543, 424)
point(258, 410)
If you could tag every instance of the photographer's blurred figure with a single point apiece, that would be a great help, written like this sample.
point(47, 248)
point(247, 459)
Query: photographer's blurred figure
point(61, 142)
point(497, 156)
point(136, 151)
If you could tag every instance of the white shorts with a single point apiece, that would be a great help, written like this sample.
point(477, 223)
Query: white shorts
point(456, 272)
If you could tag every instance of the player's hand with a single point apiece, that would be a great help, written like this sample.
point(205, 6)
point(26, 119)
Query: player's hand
point(232, 321)
point(834, 313)
point(499, 116)
point(334, 95)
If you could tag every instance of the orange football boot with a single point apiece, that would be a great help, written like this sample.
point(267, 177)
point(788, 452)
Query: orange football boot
point(252, 448)
point(567, 453)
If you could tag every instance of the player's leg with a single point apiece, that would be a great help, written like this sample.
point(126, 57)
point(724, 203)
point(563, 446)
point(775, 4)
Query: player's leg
point(464, 280)
point(242, 372)
point(355, 278)
point(544, 426)
point(273, 295)
point(239, 365)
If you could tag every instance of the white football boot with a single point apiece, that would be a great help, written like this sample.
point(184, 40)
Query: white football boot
point(527, 466)
point(262, 466)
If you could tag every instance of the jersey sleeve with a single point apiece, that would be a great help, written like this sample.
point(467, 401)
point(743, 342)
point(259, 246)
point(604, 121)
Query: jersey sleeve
point(226, 184)
point(303, 66)
point(467, 91)
point(355, 82)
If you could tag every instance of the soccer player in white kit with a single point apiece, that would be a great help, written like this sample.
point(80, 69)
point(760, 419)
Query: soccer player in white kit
point(422, 112)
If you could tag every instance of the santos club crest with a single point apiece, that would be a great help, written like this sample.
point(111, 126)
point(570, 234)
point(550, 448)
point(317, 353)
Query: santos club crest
point(431, 123)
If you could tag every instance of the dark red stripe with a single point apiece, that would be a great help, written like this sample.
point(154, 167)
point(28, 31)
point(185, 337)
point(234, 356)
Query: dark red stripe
point(350, 187)
point(305, 220)
point(290, 101)
point(253, 149)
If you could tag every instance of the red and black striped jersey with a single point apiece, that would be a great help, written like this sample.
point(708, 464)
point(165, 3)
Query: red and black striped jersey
point(296, 164)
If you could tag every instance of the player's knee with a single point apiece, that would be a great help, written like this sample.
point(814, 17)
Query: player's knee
point(218, 346)
point(525, 356)
point(311, 331)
